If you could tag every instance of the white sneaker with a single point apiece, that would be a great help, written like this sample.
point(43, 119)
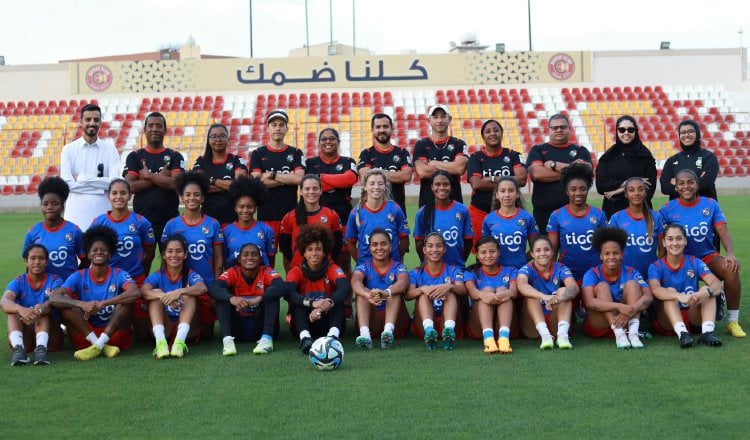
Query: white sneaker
point(622, 341)
point(635, 341)
point(229, 348)
point(264, 346)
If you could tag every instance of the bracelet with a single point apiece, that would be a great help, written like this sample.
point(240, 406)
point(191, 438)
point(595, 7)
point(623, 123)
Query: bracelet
point(388, 291)
point(710, 292)
point(306, 302)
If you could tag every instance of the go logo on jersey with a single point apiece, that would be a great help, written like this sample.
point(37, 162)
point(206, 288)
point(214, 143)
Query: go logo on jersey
point(581, 240)
point(125, 247)
point(504, 171)
point(58, 257)
point(197, 250)
point(698, 232)
point(512, 242)
point(105, 313)
point(645, 244)
point(451, 236)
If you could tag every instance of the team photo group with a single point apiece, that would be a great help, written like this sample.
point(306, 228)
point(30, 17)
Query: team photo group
point(490, 270)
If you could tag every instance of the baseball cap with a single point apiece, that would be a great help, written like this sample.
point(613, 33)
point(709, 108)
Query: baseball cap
point(442, 107)
point(277, 114)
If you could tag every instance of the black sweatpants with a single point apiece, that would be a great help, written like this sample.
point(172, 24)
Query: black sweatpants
point(319, 328)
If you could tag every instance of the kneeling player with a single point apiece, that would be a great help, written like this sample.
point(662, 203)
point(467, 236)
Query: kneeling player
point(379, 285)
point(171, 293)
point(674, 280)
point(614, 295)
point(97, 303)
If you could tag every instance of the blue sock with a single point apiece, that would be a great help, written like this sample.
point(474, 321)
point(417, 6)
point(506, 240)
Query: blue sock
point(488, 334)
point(504, 333)
point(429, 329)
point(267, 337)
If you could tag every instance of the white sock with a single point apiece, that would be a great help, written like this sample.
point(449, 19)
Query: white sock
point(103, 339)
point(427, 323)
point(228, 339)
point(42, 338)
point(679, 328)
point(389, 327)
point(16, 338)
point(182, 331)
point(334, 332)
point(543, 330)
point(633, 326)
point(450, 323)
point(304, 334)
point(707, 326)
point(159, 333)
point(91, 337)
point(618, 331)
point(562, 329)
point(733, 315)
point(364, 331)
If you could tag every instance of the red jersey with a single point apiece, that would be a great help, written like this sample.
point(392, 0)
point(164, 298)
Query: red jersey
point(322, 288)
point(325, 216)
point(240, 287)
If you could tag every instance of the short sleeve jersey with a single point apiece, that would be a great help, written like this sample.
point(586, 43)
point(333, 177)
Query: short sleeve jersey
point(483, 279)
point(338, 199)
point(161, 280)
point(318, 289)
point(642, 247)
point(201, 238)
point(324, 216)
point(374, 279)
point(445, 150)
point(157, 204)
point(64, 244)
point(512, 233)
point(218, 204)
point(698, 220)
point(27, 294)
point(133, 232)
point(596, 275)
point(236, 236)
point(453, 223)
point(82, 286)
point(284, 161)
point(683, 278)
point(483, 164)
point(362, 221)
point(551, 195)
point(423, 277)
point(241, 286)
point(546, 285)
point(575, 234)
point(393, 159)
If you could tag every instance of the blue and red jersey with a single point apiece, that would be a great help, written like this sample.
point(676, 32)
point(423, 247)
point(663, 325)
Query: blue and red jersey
point(362, 221)
point(512, 233)
point(201, 238)
point(258, 233)
point(483, 279)
point(64, 243)
point(683, 278)
point(698, 220)
point(419, 277)
point(547, 285)
point(374, 279)
point(29, 295)
point(596, 275)
point(161, 280)
point(133, 232)
point(641, 249)
point(453, 223)
point(575, 234)
point(81, 285)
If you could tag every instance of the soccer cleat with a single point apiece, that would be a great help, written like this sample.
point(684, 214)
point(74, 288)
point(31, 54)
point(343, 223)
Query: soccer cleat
point(449, 338)
point(622, 342)
point(490, 346)
point(264, 346)
point(386, 340)
point(179, 349)
point(305, 344)
point(19, 357)
point(721, 301)
point(162, 349)
point(110, 350)
point(547, 343)
point(563, 343)
point(229, 347)
point(635, 341)
point(503, 346)
point(686, 341)
point(363, 342)
point(40, 355)
point(710, 339)
point(430, 339)
point(86, 354)
point(735, 330)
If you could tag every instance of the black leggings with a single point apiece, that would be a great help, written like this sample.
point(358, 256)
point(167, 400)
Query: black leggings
point(248, 328)
point(319, 328)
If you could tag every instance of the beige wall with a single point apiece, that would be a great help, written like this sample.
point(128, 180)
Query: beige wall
point(35, 82)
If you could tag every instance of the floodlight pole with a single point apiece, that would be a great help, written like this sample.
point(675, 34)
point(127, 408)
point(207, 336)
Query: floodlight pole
point(251, 28)
point(307, 31)
point(528, 6)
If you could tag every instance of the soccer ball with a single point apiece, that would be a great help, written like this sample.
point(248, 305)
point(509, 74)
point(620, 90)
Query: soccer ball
point(326, 353)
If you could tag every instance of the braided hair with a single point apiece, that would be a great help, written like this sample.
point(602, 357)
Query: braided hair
point(644, 205)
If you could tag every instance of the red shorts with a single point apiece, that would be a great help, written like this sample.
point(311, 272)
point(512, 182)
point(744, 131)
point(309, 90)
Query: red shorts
point(594, 332)
point(122, 338)
point(275, 225)
point(708, 258)
point(418, 330)
point(659, 330)
point(399, 334)
point(206, 311)
point(477, 218)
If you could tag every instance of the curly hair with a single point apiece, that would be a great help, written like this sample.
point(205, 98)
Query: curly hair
point(248, 187)
point(192, 177)
point(54, 185)
point(102, 233)
point(607, 234)
point(580, 171)
point(310, 234)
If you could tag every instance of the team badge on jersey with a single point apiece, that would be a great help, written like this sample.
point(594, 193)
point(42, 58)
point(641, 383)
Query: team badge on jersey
point(395, 157)
point(261, 235)
point(706, 212)
point(259, 285)
point(592, 220)
point(573, 154)
point(447, 280)
point(131, 228)
point(391, 277)
point(521, 222)
point(339, 167)
point(69, 237)
point(289, 157)
point(47, 292)
point(451, 147)
point(391, 217)
point(506, 278)
point(555, 281)
point(699, 163)
point(228, 166)
point(204, 230)
point(459, 216)
point(323, 219)
point(506, 159)
point(112, 288)
point(166, 159)
point(691, 273)
point(339, 271)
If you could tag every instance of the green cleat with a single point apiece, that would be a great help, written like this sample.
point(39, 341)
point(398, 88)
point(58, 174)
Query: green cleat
point(110, 351)
point(449, 338)
point(264, 346)
point(386, 340)
point(564, 343)
point(229, 347)
point(547, 343)
point(363, 342)
point(430, 339)
point(179, 349)
point(162, 349)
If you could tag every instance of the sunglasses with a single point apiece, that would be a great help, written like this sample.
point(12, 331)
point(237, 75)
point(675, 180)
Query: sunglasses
point(630, 130)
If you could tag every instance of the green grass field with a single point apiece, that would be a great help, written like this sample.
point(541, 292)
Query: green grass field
point(593, 391)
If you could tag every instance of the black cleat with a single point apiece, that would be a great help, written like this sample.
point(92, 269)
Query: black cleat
point(710, 339)
point(686, 341)
point(305, 344)
point(40, 355)
point(721, 301)
point(19, 357)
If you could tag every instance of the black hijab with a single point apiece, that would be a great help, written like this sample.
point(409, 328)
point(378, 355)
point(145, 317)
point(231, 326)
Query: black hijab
point(697, 144)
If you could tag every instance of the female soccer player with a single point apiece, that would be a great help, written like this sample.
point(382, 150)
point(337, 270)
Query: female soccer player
point(172, 293)
point(247, 302)
point(320, 288)
point(308, 212)
point(446, 216)
point(699, 216)
point(204, 238)
point(510, 224)
point(643, 225)
point(248, 194)
point(221, 168)
point(379, 285)
point(549, 289)
point(492, 288)
point(571, 228)
point(376, 210)
point(614, 294)
point(25, 301)
point(62, 238)
point(97, 303)
point(435, 285)
point(674, 281)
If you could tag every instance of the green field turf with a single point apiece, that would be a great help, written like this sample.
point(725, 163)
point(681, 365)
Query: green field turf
point(593, 391)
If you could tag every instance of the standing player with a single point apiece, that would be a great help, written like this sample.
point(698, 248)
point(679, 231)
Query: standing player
point(87, 165)
point(546, 163)
point(395, 161)
point(63, 237)
point(280, 168)
point(485, 169)
point(151, 172)
point(248, 195)
point(440, 152)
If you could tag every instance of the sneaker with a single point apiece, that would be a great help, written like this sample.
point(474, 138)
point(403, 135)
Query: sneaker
point(19, 356)
point(449, 338)
point(179, 349)
point(622, 342)
point(110, 351)
point(710, 339)
point(363, 342)
point(86, 354)
point(635, 341)
point(305, 344)
point(563, 343)
point(386, 340)
point(40, 355)
point(229, 347)
point(686, 341)
point(547, 343)
point(162, 349)
point(721, 301)
point(430, 339)
point(264, 346)
point(490, 346)
point(735, 330)
point(503, 346)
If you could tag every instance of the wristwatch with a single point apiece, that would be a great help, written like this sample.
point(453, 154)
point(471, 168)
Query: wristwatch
point(273, 174)
point(388, 291)
point(553, 165)
point(212, 180)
